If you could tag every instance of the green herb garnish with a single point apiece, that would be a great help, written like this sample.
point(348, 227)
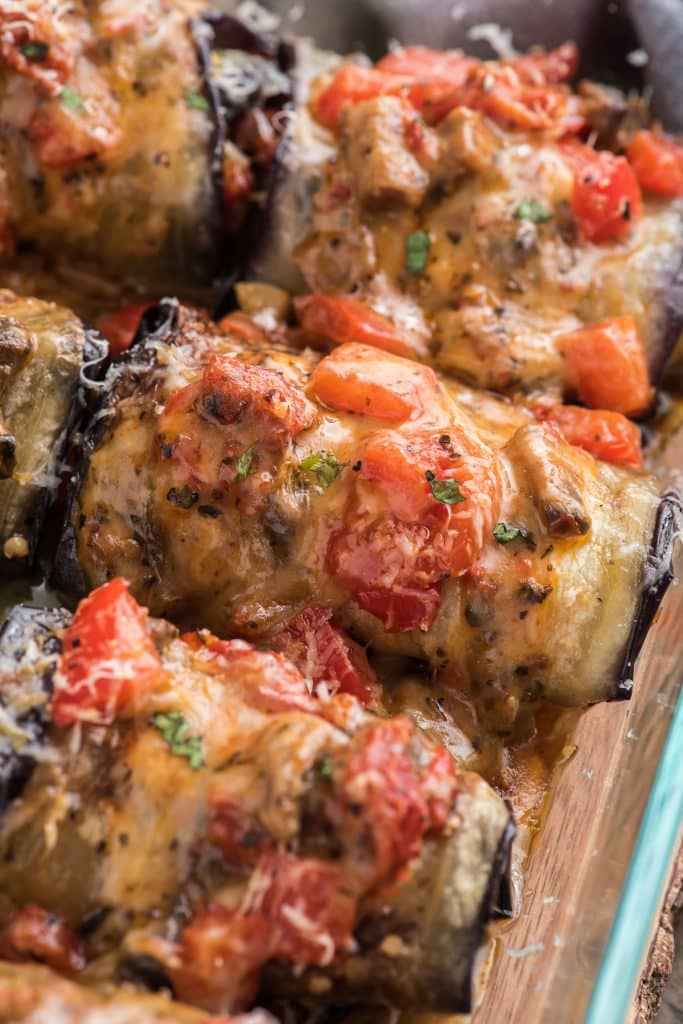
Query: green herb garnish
point(184, 497)
point(324, 465)
point(34, 51)
point(534, 210)
point(175, 729)
point(244, 466)
point(446, 491)
point(325, 767)
point(505, 533)
point(71, 99)
point(195, 101)
point(417, 251)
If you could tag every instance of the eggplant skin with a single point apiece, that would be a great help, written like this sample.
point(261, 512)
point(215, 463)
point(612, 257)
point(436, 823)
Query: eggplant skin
point(48, 362)
point(658, 575)
point(26, 635)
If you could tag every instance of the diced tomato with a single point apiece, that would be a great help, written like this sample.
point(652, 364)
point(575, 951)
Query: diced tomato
point(108, 660)
point(607, 367)
point(353, 84)
point(337, 319)
point(233, 389)
point(263, 679)
point(393, 797)
point(657, 161)
point(35, 934)
point(295, 908)
point(606, 435)
point(399, 541)
point(606, 199)
point(120, 326)
point(360, 379)
point(324, 653)
point(237, 411)
point(523, 93)
point(31, 45)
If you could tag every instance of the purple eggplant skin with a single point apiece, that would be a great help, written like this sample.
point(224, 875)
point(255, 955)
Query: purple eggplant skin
point(658, 574)
point(49, 364)
point(27, 633)
point(158, 326)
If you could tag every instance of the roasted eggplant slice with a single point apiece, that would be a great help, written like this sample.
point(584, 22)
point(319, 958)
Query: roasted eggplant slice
point(466, 218)
point(236, 482)
point(201, 810)
point(134, 143)
point(43, 351)
point(28, 992)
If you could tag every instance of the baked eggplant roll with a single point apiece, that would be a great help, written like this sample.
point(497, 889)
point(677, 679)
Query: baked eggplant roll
point(43, 350)
point(134, 135)
point(236, 482)
point(203, 817)
point(462, 216)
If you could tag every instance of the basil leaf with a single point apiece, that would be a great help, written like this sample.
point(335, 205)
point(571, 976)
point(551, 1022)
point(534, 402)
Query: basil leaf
point(244, 466)
point(534, 210)
point(505, 533)
point(417, 251)
point(446, 491)
point(325, 466)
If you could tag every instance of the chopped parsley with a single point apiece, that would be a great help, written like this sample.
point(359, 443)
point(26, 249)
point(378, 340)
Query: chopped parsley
point(325, 767)
point(184, 497)
point(244, 466)
point(71, 99)
point(195, 101)
point(175, 729)
point(505, 533)
point(417, 251)
point(325, 466)
point(34, 51)
point(446, 491)
point(534, 210)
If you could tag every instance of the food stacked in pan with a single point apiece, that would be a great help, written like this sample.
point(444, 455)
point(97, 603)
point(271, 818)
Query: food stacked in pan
point(333, 559)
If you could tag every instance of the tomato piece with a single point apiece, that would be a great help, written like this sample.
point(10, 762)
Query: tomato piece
point(295, 908)
point(108, 660)
point(606, 435)
point(606, 199)
point(353, 84)
point(120, 326)
point(264, 679)
point(325, 654)
point(35, 934)
point(607, 366)
point(657, 161)
point(360, 379)
point(30, 44)
point(338, 319)
point(394, 796)
point(399, 539)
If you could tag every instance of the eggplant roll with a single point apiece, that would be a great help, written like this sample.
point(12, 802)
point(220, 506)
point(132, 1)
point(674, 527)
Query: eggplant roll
point(43, 349)
point(236, 482)
point(204, 817)
point(460, 206)
point(134, 135)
